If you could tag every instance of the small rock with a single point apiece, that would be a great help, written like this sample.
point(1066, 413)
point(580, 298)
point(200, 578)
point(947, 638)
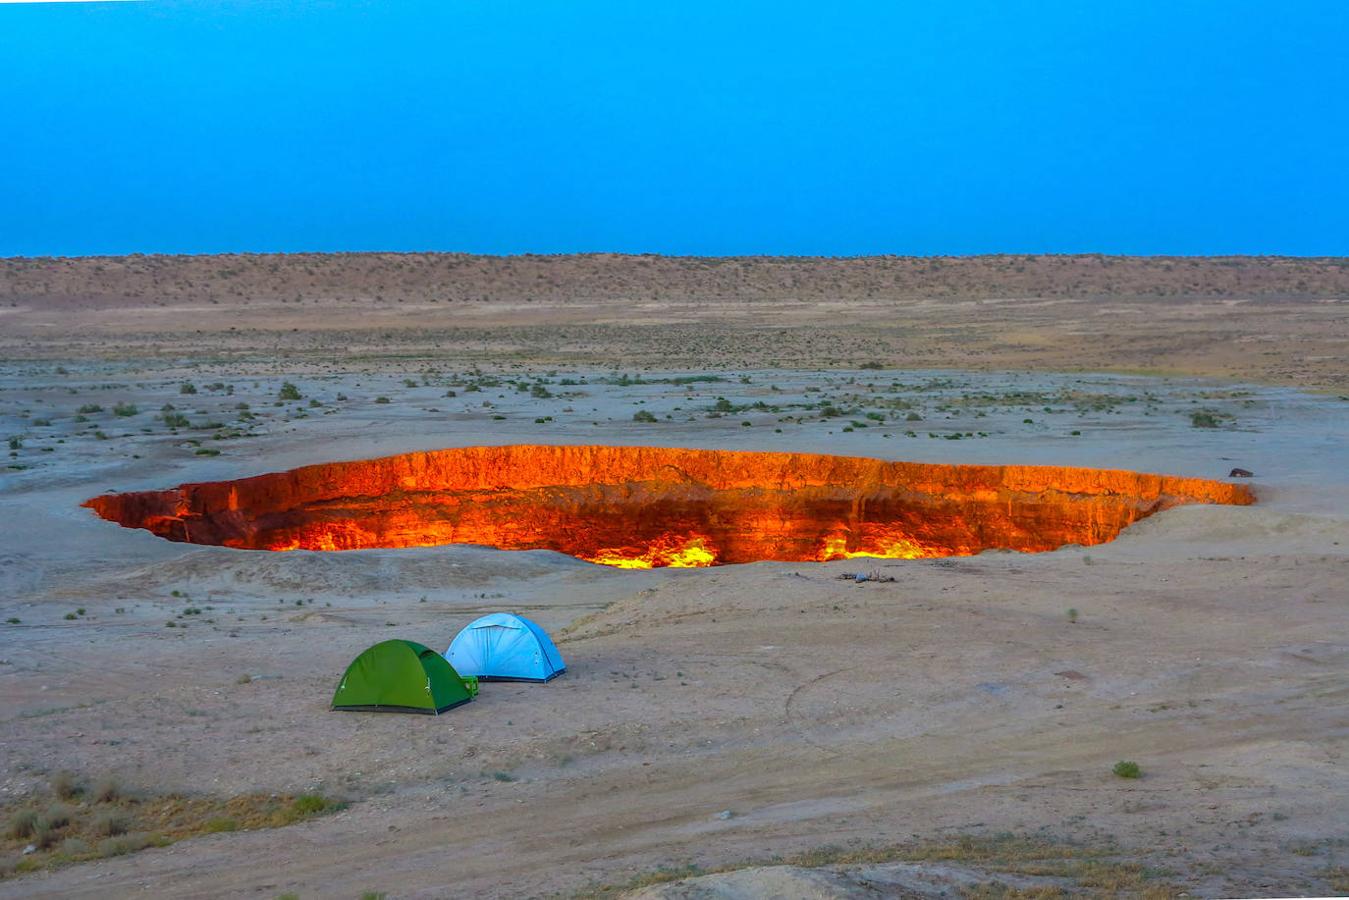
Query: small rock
point(723, 815)
point(31, 848)
point(1241, 473)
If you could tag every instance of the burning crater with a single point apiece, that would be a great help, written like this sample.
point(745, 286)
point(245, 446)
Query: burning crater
point(643, 507)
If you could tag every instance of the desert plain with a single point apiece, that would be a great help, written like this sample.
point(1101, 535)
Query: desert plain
point(767, 729)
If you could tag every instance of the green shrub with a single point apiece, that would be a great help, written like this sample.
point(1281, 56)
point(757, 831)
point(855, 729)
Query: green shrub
point(90, 408)
point(221, 824)
point(289, 392)
point(1206, 418)
point(643, 415)
point(1127, 769)
point(125, 410)
point(381, 399)
point(187, 387)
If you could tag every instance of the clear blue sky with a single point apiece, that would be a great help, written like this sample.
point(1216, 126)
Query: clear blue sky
point(688, 127)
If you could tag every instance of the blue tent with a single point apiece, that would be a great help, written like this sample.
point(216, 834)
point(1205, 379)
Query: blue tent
point(505, 647)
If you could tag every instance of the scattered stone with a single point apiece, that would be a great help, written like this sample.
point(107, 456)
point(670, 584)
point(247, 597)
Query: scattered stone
point(1241, 473)
point(724, 814)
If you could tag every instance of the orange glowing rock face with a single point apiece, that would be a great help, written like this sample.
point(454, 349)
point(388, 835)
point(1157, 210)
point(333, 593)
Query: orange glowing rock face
point(652, 507)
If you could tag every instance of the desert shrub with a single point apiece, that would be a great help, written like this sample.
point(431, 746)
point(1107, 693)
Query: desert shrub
point(65, 785)
point(1127, 769)
point(45, 835)
point(16, 443)
point(221, 824)
point(288, 392)
point(187, 387)
point(176, 420)
point(305, 806)
point(22, 824)
point(73, 848)
point(1206, 418)
point(89, 408)
point(643, 415)
point(111, 823)
point(107, 790)
point(123, 844)
point(125, 410)
point(56, 816)
point(309, 804)
point(381, 399)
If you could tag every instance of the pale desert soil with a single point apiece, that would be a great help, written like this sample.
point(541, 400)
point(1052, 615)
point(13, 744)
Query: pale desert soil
point(958, 699)
point(1271, 319)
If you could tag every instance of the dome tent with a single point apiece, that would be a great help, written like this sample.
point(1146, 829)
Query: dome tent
point(402, 676)
point(505, 647)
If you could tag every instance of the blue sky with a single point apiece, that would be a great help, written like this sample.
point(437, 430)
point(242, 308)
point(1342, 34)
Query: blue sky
point(693, 127)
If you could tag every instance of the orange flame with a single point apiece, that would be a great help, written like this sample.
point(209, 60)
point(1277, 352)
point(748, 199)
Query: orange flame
point(650, 507)
point(690, 552)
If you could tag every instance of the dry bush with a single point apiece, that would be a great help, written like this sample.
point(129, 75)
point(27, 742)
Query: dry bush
point(65, 785)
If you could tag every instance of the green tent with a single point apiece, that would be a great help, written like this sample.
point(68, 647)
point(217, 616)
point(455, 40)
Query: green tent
point(402, 676)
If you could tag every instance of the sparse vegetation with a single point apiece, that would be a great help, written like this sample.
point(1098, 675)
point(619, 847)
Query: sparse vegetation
point(109, 821)
point(289, 392)
point(1207, 418)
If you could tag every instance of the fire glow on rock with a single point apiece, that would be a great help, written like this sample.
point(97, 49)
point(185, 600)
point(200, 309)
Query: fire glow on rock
point(645, 507)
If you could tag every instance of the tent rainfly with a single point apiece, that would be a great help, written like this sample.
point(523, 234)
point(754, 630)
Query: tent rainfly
point(402, 676)
point(505, 647)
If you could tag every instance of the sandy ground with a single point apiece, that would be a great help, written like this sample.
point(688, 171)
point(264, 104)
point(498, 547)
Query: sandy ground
point(1275, 320)
point(1210, 644)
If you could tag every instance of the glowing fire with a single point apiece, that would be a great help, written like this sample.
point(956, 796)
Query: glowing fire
point(688, 553)
point(836, 547)
point(649, 507)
